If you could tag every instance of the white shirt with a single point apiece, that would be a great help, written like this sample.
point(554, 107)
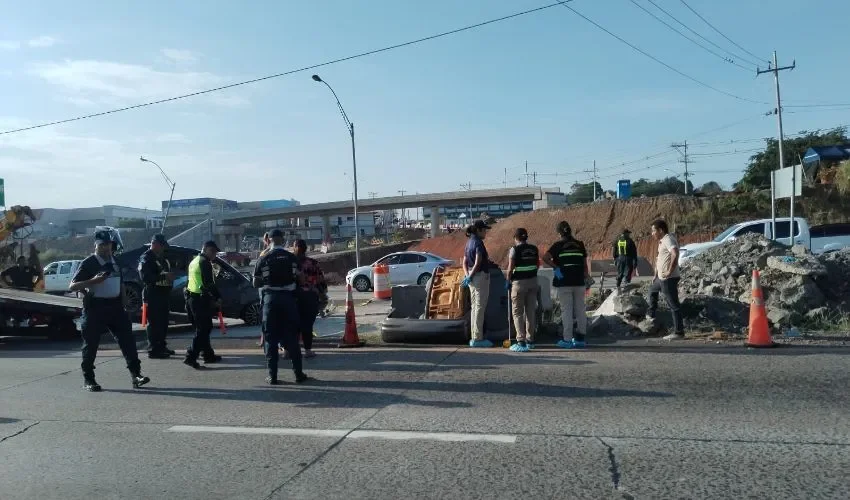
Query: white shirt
point(111, 287)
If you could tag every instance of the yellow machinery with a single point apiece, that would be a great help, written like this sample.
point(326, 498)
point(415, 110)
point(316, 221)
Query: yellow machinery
point(14, 219)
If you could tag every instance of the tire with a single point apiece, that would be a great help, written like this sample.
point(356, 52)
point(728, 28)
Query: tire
point(252, 314)
point(361, 283)
point(423, 279)
point(134, 299)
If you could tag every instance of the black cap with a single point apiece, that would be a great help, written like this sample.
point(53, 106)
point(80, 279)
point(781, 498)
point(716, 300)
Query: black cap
point(521, 233)
point(276, 233)
point(480, 224)
point(626, 231)
point(211, 244)
point(159, 238)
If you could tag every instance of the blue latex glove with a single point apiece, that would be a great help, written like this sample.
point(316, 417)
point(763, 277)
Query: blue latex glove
point(558, 274)
point(465, 282)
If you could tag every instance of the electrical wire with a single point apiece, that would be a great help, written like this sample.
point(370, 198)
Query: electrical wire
point(289, 72)
point(737, 56)
point(686, 37)
point(659, 61)
point(721, 33)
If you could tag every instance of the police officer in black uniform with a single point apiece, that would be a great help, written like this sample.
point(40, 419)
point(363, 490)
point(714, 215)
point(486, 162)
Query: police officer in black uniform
point(202, 301)
point(155, 271)
point(103, 309)
point(276, 273)
point(625, 257)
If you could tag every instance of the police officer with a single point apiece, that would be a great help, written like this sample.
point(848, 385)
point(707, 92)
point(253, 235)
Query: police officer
point(103, 309)
point(276, 273)
point(523, 260)
point(155, 271)
point(625, 257)
point(203, 300)
point(569, 258)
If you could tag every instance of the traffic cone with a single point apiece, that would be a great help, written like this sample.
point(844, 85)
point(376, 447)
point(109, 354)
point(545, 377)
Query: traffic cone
point(350, 338)
point(144, 314)
point(221, 326)
point(759, 335)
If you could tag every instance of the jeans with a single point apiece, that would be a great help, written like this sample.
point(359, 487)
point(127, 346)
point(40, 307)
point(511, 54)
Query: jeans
point(308, 308)
point(100, 315)
point(281, 323)
point(524, 307)
point(201, 311)
point(573, 310)
point(670, 289)
point(158, 313)
point(479, 294)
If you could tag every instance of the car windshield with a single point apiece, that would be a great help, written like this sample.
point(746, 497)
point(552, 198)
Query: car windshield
point(722, 236)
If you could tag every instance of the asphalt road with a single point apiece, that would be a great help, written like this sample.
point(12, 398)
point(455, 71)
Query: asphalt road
point(632, 420)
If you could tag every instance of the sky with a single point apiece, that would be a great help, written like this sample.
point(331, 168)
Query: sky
point(547, 88)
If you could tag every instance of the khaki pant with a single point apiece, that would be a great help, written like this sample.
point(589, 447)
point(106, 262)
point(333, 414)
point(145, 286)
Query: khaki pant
point(573, 309)
point(479, 294)
point(524, 307)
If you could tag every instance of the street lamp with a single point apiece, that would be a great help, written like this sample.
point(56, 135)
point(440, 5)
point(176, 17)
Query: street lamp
point(350, 126)
point(170, 183)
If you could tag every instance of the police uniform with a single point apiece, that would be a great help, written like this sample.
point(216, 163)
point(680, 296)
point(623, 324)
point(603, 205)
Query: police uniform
point(201, 293)
point(569, 256)
point(625, 257)
point(524, 289)
point(154, 271)
point(103, 309)
point(277, 272)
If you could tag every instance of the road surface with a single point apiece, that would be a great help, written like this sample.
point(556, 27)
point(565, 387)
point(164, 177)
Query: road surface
point(631, 420)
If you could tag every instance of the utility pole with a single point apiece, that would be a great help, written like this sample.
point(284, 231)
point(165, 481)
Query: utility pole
point(594, 178)
point(775, 69)
point(372, 194)
point(685, 159)
point(506, 176)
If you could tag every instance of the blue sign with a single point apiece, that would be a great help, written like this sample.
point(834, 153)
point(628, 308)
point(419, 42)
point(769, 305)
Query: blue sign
point(624, 189)
point(278, 203)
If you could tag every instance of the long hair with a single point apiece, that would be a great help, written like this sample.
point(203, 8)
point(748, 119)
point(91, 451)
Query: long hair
point(564, 230)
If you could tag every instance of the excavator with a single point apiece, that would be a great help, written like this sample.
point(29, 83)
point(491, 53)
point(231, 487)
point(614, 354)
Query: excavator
point(16, 219)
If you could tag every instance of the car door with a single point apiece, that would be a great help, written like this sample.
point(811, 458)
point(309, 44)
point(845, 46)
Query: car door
point(396, 271)
point(408, 268)
point(415, 266)
point(64, 275)
point(50, 277)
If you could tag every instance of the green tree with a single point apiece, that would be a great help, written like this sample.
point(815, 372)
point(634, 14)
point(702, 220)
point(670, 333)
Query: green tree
point(668, 185)
point(711, 187)
point(757, 175)
point(583, 193)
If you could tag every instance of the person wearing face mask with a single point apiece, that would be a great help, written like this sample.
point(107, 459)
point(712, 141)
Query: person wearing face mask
point(99, 276)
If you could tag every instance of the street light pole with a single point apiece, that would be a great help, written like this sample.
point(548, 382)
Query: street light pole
point(350, 126)
point(171, 183)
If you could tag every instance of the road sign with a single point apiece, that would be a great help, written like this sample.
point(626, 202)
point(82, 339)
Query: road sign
point(782, 182)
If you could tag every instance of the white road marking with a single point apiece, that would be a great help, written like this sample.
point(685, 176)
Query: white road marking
point(455, 437)
point(434, 436)
point(280, 431)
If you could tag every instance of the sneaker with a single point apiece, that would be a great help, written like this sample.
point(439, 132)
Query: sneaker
point(215, 358)
point(480, 343)
point(92, 386)
point(301, 377)
point(193, 363)
point(272, 381)
point(675, 336)
point(308, 353)
point(139, 380)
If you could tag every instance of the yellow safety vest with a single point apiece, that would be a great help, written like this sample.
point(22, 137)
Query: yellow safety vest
point(196, 278)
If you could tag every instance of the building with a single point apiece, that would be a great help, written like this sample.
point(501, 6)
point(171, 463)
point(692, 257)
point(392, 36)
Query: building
point(61, 222)
point(499, 210)
point(196, 210)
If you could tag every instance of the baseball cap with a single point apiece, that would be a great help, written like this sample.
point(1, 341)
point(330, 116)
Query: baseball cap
point(480, 224)
point(211, 244)
point(159, 238)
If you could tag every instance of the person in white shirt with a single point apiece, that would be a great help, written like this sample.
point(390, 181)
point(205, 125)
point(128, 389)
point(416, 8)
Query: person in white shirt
point(666, 280)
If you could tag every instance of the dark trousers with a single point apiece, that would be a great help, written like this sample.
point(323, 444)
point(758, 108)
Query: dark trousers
point(280, 324)
point(201, 312)
point(670, 289)
point(158, 313)
point(99, 316)
point(308, 308)
point(624, 270)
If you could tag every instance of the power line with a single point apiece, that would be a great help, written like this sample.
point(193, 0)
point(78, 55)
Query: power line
point(659, 61)
point(720, 32)
point(727, 153)
point(671, 16)
point(686, 37)
point(817, 105)
point(290, 72)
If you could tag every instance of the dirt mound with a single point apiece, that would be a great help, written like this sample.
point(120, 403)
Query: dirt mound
point(596, 224)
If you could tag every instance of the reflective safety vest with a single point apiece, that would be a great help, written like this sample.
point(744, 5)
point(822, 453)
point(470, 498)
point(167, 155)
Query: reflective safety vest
point(196, 279)
point(571, 260)
point(527, 260)
point(622, 246)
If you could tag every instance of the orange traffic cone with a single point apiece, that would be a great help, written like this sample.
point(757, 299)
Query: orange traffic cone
point(350, 338)
point(144, 314)
point(759, 332)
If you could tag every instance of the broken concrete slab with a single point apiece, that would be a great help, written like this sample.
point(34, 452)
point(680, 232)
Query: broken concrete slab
point(802, 266)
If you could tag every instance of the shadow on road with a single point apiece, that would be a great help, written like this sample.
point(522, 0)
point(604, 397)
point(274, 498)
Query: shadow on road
point(8, 420)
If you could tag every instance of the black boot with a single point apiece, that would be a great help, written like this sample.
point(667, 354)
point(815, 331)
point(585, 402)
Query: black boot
point(91, 385)
point(211, 358)
point(193, 363)
point(301, 377)
point(139, 380)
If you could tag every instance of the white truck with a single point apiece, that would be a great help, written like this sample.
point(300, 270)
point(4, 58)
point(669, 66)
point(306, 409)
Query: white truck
point(57, 276)
point(818, 239)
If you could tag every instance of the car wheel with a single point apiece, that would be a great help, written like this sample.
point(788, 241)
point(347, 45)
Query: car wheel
point(362, 283)
point(253, 314)
point(423, 279)
point(134, 299)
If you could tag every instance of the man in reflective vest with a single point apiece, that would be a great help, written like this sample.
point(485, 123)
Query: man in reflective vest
point(156, 274)
point(523, 261)
point(202, 301)
point(625, 257)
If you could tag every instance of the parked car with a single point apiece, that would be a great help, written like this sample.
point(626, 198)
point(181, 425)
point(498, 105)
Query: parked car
point(406, 268)
point(57, 276)
point(239, 297)
point(235, 258)
point(818, 239)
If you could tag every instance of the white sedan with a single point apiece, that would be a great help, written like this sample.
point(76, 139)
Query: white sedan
point(406, 268)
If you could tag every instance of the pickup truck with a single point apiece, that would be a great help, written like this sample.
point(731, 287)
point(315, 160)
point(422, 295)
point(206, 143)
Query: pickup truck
point(57, 276)
point(818, 239)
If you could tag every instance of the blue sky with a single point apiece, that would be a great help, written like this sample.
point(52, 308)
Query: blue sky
point(548, 88)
